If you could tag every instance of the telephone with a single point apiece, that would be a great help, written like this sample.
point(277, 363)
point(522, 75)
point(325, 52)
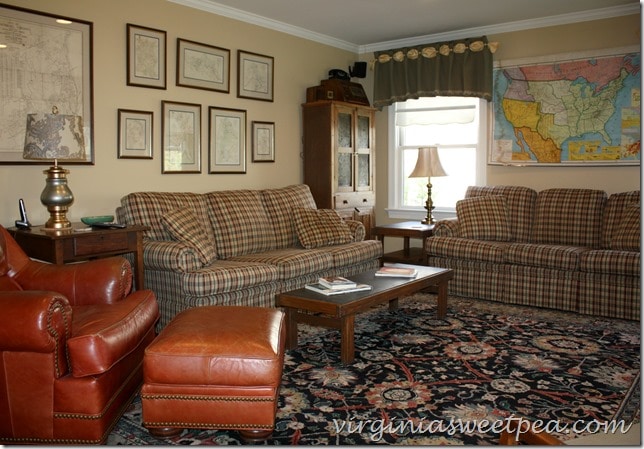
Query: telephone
point(338, 74)
point(23, 223)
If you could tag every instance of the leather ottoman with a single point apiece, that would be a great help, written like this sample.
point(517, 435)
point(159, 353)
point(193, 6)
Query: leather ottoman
point(215, 367)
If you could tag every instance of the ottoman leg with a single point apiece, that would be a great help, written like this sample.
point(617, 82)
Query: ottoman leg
point(164, 432)
point(255, 436)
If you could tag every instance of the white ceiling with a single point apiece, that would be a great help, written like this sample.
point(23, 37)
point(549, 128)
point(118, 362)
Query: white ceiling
point(367, 25)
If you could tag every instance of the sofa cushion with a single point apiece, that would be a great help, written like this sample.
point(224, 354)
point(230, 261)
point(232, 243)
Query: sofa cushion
point(290, 262)
point(556, 257)
point(520, 202)
point(466, 249)
point(484, 218)
point(103, 334)
point(320, 227)
point(569, 217)
point(613, 214)
point(279, 205)
point(184, 227)
point(240, 223)
point(606, 261)
point(627, 236)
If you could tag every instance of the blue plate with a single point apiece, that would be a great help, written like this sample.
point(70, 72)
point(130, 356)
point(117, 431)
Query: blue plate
point(97, 219)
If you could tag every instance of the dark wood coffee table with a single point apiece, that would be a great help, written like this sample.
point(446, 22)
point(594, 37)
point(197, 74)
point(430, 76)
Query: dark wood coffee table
point(339, 311)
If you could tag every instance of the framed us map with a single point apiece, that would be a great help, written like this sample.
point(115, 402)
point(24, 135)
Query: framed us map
point(46, 62)
point(574, 110)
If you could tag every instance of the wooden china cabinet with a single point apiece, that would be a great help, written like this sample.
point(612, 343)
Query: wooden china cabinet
point(339, 158)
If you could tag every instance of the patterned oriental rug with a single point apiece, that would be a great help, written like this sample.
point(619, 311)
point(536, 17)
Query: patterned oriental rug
point(417, 380)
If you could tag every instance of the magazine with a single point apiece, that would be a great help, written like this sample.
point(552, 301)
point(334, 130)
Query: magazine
point(399, 272)
point(319, 288)
point(336, 282)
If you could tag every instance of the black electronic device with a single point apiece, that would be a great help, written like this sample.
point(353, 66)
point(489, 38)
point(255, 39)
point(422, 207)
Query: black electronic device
point(337, 74)
point(23, 223)
point(109, 225)
point(359, 70)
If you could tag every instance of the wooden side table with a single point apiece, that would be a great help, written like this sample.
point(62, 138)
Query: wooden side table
point(78, 244)
point(407, 230)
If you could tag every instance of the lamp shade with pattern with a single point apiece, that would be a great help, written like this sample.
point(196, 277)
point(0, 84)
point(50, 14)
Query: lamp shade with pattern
point(55, 137)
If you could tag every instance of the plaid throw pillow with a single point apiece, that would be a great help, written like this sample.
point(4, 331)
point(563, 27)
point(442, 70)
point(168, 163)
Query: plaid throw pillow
point(484, 218)
point(183, 226)
point(320, 227)
point(627, 237)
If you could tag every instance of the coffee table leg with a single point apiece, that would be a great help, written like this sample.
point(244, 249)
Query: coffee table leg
point(291, 328)
point(442, 300)
point(347, 348)
point(393, 304)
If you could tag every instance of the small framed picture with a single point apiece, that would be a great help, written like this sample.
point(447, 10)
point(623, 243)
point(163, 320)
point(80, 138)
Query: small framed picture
point(227, 140)
point(255, 76)
point(263, 141)
point(181, 134)
point(134, 134)
point(203, 66)
point(146, 57)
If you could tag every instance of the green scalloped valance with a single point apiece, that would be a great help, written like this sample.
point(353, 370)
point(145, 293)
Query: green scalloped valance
point(457, 68)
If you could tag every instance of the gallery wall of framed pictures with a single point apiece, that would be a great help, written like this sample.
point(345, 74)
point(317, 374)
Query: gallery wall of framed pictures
point(205, 66)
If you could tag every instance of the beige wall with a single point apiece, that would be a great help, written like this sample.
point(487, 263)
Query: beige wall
point(579, 37)
point(299, 63)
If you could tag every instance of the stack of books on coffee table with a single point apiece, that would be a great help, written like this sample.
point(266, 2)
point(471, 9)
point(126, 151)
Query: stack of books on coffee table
point(336, 285)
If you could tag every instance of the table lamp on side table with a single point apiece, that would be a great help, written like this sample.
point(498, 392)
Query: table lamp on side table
point(428, 166)
point(58, 137)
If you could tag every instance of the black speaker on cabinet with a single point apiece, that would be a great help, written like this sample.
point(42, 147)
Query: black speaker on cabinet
point(359, 70)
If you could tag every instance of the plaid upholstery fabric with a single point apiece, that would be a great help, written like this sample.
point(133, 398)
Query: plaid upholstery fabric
point(186, 228)
point(626, 263)
point(357, 230)
point(168, 255)
point(610, 295)
point(547, 256)
point(540, 287)
point(613, 213)
point(472, 278)
point(484, 218)
point(147, 208)
point(447, 228)
point(240, 222)
point(320, 227)
point(279, 205)
point(627, 237)
point(353, 253)
point(520, 202)
point(569, 217)
point(290, 262)
point(459, 248)
point(224, 276)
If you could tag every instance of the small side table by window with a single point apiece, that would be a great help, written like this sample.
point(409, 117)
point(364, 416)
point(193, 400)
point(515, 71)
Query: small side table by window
point(78, 244)
point(407, 230)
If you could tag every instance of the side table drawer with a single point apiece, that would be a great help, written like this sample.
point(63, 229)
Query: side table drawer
point(92, 244)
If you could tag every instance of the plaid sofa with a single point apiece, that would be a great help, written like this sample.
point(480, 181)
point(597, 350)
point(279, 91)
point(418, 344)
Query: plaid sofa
point(562, 248)
point(241, 247)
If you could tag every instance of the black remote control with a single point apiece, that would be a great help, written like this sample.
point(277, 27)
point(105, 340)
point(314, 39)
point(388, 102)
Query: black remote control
point(109, 225)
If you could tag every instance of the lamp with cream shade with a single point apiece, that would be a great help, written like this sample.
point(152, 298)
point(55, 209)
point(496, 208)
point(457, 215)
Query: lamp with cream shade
point(428, 165)
point(55, 137)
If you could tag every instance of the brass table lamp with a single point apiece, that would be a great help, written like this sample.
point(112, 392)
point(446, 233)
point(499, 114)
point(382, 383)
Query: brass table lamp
point(428, 165)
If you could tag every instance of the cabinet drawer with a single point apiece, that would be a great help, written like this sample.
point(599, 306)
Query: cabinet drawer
point(359, 199)
point(102, 243)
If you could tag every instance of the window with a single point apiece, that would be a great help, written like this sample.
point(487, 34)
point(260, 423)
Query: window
point(458, 127)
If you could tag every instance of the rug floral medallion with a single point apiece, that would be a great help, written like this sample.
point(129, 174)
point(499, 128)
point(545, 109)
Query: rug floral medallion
point(418, 380)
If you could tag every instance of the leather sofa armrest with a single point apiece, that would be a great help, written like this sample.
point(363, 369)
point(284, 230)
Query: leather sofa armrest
point(357, 230)
point(99, 281)
point(36, 321)
point(170, 256)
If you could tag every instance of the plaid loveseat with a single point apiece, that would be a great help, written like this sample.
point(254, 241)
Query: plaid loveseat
point(567, 249)
point(241, 247)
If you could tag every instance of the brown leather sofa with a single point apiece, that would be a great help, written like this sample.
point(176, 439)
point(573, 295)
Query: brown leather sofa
point(72, 339)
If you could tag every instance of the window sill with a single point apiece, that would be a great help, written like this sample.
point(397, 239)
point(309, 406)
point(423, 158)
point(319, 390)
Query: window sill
point(408, 214)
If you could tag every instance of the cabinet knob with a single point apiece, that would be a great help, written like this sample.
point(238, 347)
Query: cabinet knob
point(364, 200)
point(345, 202)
